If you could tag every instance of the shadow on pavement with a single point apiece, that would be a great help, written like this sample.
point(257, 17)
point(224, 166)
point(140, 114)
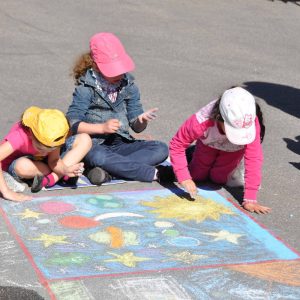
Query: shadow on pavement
point(283, 97)
point(181, 193)
point(18, 293)
point(236, 192)
point(294, 146)
point(297, 2)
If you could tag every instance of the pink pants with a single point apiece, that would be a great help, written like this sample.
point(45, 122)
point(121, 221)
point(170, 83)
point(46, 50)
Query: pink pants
point(213, 164)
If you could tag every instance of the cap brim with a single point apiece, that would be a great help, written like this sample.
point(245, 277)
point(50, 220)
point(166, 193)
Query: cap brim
point(116, 68)
point(240, 136)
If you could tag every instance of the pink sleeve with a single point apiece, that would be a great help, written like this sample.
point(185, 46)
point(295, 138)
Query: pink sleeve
point(189, 131)
point(15, 139)
point(253, 165)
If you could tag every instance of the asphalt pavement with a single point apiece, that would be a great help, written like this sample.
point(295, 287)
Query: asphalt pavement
point(186, 54)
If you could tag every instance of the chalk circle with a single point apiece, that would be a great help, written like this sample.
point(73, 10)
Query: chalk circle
point(170, 232)
point(184, 241)
point(104, 201)
point(163, 224)
point(78, 222)
point(43, 221)
point(98, 198)
point(151, 234)
point(56, 207)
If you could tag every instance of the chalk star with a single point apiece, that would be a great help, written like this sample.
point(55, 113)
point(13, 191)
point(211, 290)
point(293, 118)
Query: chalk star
point(27, 213)
point(49, 240)
point(186, 256)
point(128, 259)
point(225, 235)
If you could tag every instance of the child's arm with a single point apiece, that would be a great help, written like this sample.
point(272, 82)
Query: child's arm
point(253, 165)
point(142, 120)
point(6, 150)
point(110, 126)
point(255, 207)
point(189, 131)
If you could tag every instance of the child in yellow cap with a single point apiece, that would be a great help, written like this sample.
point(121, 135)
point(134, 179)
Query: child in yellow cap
point(38, 148)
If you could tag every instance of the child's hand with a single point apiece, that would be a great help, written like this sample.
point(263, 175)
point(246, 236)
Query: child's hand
point(111, 126)
point(190, 187)
point(75, 170)
point(148, 115)
point(16, 197)
point(255, 207)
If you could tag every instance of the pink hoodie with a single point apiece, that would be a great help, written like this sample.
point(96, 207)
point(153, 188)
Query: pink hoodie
point(199, 126)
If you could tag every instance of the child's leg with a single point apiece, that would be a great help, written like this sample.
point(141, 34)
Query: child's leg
point(25, 168)
point(76, 148)
point(225, 164)
point(118, 165)
point(72, 152)
point(149, 153)
point(202, 161)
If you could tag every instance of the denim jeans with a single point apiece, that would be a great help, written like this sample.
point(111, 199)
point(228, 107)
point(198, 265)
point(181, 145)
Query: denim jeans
point(134, 160)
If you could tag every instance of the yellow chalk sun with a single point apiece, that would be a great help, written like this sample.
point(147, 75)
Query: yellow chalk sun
point(184, 210)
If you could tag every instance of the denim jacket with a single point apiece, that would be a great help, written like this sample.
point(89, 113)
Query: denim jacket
point(91, 105)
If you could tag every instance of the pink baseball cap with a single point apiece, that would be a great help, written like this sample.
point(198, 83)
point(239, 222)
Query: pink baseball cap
point(109, 54)
point(238, 110)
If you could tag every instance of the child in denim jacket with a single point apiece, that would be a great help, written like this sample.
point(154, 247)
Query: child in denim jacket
point(106, 104)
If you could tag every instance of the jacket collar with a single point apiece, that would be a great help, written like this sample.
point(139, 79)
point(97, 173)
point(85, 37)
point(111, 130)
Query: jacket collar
point(89, 79)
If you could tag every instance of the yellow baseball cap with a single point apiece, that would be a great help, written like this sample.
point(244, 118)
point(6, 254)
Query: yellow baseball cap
point(49, 126)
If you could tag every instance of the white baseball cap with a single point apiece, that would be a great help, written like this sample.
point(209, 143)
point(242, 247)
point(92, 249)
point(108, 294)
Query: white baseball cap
point(238, 110)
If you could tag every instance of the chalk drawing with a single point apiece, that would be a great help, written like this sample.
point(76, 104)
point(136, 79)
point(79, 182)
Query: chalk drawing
point(27, 214)
point(176, 207)
point(224, 235)
point(115, 215)
point(115, 237)
point(141, 231)
point(56, 207)
point(49, 239)
point(128, 259)
point(71, 290)
point(148, 288)
point(163, 224)
point(233, 283)
point(285, 272)
point(78, 222)
point(185, 257)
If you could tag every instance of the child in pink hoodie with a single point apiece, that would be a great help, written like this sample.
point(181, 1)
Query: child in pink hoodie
point(226, 131)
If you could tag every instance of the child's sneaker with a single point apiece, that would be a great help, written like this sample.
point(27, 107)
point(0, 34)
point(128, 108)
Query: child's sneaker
point(13, 184)
point(37, 183)
point(98, 176)
point(71, 181)
point(236, 178)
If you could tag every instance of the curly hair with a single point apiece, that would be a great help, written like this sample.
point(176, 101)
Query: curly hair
point(83, 63)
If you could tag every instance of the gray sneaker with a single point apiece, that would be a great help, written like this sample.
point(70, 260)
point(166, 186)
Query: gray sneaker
point(236, 178)
point(13, 184)
point(98, 176)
